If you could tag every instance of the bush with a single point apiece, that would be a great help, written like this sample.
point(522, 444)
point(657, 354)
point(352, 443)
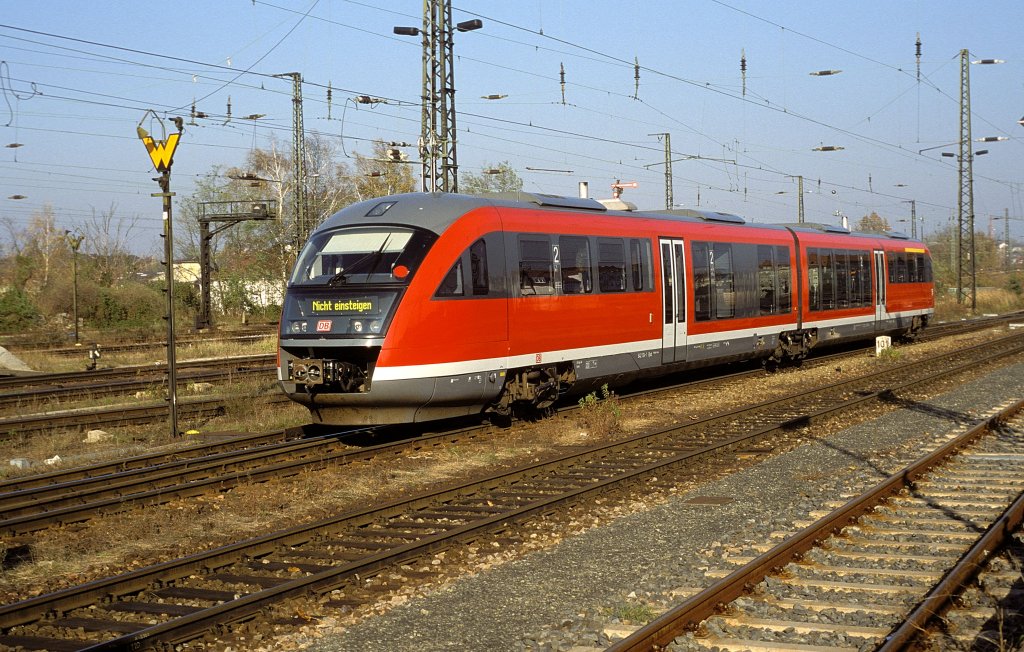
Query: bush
point(599, 416)
point(128, 306)
point(17, 311)
point(1014, 285)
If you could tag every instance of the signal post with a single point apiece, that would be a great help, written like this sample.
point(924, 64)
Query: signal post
point(161, 153)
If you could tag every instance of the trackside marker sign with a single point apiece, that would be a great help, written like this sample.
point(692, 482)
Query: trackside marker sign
point(161, 152)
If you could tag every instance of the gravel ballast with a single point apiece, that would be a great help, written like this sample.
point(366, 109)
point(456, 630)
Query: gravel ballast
point(571, 594)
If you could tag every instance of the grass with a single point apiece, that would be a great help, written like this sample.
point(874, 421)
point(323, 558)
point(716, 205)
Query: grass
point(245, 412)
point(890, 354)
point(141, 536)
point(599, 416)
point(989, 301)
point(633, 613)
point(50, 363)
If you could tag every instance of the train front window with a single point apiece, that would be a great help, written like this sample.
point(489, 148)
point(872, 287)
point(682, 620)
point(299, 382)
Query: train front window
point(362, 256)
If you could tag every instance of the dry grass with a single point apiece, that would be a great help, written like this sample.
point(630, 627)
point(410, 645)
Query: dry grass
point(143, 536)
point(599, 413)
point(244, 412)
point(49, 363)
point(125, 541)
point(990, 301)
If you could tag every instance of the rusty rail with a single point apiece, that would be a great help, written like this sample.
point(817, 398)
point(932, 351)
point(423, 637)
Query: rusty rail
point(688, 615)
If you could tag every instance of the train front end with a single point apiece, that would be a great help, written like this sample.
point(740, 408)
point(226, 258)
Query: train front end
point(346, 287)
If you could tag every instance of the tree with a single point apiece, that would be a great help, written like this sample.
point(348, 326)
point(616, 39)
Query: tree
point(35, 251)
point(497, 178)
point(47, 244)
point(106, 241)
point(329, 186)
point(873, 223)
point(381, 174)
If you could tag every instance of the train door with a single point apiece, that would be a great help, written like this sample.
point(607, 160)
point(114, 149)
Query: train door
point(673, 275)
point(880, 278)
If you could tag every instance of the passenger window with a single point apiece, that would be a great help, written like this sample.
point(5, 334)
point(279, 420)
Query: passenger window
point(725, 284)
point(828, 279)
point(575, 254)
point(813, 280)
point(640, 255)
point(766, 279)
point(901, 267)
point(451, 286)
point(783, 271)
point(611, 265)
point(857, 270)
point(701, 281)
point(536, 269)
point(478, 267)
point(912, 268)
point(842, 265)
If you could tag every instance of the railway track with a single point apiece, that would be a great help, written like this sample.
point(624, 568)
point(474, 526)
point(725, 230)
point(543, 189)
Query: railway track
point(131, 347)
point(34, 503)
point(879, 570)
point(135, 414)
point(140, 412)
point(61, 498)
point(24, 392)
point(183, 599)
point(128, 372)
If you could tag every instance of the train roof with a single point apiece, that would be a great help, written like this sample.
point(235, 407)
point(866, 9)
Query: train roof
point(437, 211)
point(834, 229)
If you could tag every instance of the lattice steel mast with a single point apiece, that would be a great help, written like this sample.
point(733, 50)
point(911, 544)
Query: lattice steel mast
point(965, 202)
point(302, 225)
point(440, 167)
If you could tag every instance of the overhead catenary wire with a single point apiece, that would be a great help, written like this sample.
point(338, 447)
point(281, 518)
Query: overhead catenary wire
point(486, 120)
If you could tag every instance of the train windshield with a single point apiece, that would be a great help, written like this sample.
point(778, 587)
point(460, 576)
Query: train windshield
point(362, 256)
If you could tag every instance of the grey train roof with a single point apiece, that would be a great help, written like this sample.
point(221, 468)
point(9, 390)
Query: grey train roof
point(437, 211)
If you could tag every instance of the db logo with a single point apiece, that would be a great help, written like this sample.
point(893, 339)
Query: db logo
point(323, 326)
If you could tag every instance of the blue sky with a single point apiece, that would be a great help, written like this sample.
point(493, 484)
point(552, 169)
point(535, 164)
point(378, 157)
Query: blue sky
point(97, 67)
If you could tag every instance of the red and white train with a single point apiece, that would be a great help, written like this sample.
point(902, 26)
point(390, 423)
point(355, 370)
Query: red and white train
point(426, 306)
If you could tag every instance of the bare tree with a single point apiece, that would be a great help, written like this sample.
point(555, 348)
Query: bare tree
point(107, 237)
point(329, 184)
point(36, 250)
point(17, 264)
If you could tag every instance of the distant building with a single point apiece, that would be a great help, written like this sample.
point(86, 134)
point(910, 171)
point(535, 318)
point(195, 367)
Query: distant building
point(261, 293)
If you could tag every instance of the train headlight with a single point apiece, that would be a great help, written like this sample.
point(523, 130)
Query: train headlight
point(357, 326)
point(297, 326)
point(375, 326)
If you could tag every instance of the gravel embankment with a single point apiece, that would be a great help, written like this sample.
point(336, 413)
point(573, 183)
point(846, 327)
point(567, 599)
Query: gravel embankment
point(569, 594)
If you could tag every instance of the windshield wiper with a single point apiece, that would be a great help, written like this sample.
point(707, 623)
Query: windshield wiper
point(343, 274)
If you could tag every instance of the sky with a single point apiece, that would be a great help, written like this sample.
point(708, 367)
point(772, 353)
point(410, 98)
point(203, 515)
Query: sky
point(78, 78)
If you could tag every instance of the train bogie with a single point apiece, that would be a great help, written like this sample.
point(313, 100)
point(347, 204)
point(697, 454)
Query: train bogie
point(426, 306)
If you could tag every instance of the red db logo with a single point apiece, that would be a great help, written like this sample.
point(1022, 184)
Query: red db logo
point(323, 326)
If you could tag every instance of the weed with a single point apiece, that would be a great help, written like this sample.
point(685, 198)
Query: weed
point(890, 355)
point(599, 416)
point(635, 613)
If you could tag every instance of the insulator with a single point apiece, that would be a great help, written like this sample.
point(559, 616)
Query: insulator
point(561, 76)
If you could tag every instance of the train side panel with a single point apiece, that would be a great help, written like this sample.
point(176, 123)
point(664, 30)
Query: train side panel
point(560, 312)
point(509, 304)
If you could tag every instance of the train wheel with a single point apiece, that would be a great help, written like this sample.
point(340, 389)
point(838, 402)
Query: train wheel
point(530, 412)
